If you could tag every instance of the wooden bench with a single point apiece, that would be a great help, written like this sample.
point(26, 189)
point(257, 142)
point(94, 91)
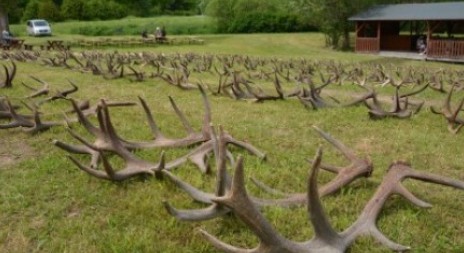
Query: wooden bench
point(28, 47)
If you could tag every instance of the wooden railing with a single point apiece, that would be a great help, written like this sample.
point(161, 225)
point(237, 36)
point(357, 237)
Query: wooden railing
point(446, 48)
point(367, 45)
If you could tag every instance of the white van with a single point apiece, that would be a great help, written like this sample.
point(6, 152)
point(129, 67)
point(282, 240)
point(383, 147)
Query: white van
point(38, 27)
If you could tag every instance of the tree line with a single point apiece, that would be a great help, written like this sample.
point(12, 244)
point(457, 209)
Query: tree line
point(232, 16)
point(61, 10)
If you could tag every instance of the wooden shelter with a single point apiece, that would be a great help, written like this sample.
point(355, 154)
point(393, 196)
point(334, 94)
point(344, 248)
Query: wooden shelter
point(398, 27)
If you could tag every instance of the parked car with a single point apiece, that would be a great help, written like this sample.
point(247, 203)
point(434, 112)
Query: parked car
point(38, 27)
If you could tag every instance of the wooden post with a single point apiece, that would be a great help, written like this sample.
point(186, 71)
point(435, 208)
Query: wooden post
point(378, 35)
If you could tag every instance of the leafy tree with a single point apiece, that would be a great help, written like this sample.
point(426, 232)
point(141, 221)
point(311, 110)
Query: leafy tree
point(223, 11)
point(103, 10)
point(246, 16)
point(72, 9)
point(47, 9)
point(32, 10)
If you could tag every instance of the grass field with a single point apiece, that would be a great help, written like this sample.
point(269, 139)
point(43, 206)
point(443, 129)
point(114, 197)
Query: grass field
point(48, 205)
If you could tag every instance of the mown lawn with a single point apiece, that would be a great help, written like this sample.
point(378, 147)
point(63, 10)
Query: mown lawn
point(48, 205)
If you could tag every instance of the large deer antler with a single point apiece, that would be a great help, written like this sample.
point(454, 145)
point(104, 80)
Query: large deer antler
point(29, 123)
point(326, 238)
point(312, 98)
point(454, 123)
point(102, 137)
point(134, 166)
point(278, 87)
point(105, 140)
point(398, 110)
point(10, 74)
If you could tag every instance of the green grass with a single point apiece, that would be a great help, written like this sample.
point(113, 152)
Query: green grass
point(48, 205)
point(129, 26)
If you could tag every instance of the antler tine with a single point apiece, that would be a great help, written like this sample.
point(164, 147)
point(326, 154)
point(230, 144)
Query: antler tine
point(220, 148)
point(116, 143)
point(222, 185)
point(83, 119)
point(71, 148)
point(38, 125)
point(151, 121)
point(210, 212)
point(345, 175)
point(224, 246)
point(252, 149)
point(96, 173)
point(447, 103)
point(396, 100)
point(415, 92)
point(192, 137)
point(182, 117)
point(18, 119)
point(370, 94)
point(348, 153)
point(207, 117)
point(194, 192)
point(8, 83)
point(72, 90)
point(238, 201)
point(322, 228)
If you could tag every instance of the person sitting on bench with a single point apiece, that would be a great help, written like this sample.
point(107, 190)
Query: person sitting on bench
point(6, 37)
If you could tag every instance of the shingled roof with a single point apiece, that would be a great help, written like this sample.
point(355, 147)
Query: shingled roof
point(403, 12)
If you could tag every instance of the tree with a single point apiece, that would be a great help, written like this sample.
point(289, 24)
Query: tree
point(47, 9)
point(332, 16)
point(72, 9)
point(5, 7)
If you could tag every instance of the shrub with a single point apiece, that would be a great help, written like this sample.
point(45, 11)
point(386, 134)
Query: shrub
point(265, 22)
point(72, 9)
point(103, 10)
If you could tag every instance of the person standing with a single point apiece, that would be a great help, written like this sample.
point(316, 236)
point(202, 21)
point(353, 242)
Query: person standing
point(6, 37)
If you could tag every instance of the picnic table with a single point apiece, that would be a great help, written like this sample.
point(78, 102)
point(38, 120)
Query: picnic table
point(55, 44)
point(12, 44)
point(16, 43)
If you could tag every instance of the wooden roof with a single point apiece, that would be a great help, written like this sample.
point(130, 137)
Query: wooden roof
point(404, 12)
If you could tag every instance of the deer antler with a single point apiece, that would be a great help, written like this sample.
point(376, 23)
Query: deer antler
point(278, 88)
point(192, 137)
point(18, 120)
point(223, 185)
point(62, 94)
point(102, 137)
point(9, 76)
point(344, 175)
point(134, 166)
point(454, 123)
point(398, 111)
point(326, 239)
point(38, 92)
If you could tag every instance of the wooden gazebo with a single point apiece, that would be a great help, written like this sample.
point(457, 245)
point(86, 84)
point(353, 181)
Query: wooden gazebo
point(397, 28)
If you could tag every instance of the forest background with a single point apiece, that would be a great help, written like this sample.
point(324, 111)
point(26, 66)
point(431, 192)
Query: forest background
point(230, 16)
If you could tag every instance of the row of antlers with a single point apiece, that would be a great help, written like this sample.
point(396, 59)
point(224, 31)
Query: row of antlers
point(233, 83)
